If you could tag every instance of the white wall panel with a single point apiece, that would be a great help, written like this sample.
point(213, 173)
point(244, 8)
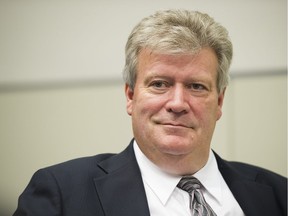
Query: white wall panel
point(63, 41)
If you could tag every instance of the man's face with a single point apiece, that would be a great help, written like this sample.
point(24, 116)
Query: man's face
point(175, 105)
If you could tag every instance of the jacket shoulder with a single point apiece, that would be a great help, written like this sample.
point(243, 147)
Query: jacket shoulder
point(259, 173)
point(246, 171)
point(79, 166)
point(69, 181)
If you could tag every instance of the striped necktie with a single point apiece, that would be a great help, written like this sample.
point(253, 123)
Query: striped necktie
point(198, 205)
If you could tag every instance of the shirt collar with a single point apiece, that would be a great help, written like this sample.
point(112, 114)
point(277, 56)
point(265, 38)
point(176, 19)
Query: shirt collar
point(210, 178)
point(163, 184)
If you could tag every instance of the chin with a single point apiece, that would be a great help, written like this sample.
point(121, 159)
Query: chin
point(175, 147)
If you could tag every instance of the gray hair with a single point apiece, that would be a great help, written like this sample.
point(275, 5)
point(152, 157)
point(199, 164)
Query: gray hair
point(176, 32)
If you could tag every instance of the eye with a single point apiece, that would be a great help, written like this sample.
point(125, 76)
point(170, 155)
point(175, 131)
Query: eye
point(159, 84)
point(197, 87)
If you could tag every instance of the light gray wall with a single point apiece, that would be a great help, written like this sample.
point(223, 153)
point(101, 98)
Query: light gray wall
point(61, 94)
point(66, 40)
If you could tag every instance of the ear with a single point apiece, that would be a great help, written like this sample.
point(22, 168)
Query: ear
point(220, 103)
point(129, 99)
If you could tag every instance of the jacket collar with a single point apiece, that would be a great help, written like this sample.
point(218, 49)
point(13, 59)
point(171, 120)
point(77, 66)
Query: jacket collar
point(121, 190)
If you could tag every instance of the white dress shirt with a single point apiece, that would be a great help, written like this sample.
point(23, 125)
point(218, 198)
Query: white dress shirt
point(165, 199)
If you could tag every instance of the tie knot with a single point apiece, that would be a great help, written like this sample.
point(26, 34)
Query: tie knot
point(198, 205)
point(189, 183)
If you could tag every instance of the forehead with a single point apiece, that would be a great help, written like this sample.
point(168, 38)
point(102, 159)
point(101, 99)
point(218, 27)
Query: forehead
point(202, 62)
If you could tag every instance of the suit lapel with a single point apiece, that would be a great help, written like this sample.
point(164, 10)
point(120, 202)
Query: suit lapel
point(253, 197)
point(121, 190)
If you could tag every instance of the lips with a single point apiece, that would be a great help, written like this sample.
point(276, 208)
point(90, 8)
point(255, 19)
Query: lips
point(174, 124)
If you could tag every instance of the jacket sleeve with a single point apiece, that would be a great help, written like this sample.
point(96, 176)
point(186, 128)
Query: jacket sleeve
point(41, 197)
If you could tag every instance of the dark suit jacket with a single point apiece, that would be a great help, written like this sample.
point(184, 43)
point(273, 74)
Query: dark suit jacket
point(111, 185)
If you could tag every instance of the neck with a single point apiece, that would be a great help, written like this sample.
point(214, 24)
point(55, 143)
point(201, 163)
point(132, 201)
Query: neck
point(181, 164)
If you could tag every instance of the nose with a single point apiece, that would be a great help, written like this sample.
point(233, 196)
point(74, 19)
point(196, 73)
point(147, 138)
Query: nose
point(178, 100)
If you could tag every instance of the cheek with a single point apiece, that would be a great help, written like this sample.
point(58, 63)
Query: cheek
point(148, 105)
point(207, 112)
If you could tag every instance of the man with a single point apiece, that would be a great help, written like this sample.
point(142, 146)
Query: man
point(176, 74)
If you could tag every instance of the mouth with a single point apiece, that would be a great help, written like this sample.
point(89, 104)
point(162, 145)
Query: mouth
point(174, 124)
